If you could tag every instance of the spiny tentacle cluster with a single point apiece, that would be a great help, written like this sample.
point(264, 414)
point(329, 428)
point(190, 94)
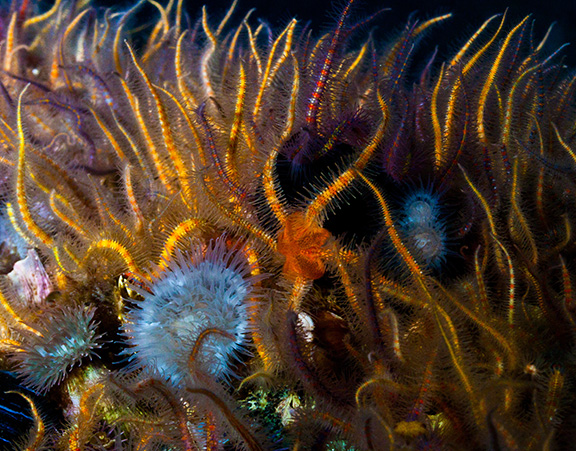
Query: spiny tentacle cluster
point(230, 201)
point(197, 317)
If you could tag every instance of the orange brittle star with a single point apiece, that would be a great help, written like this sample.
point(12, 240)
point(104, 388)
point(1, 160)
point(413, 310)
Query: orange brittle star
point(301, 242)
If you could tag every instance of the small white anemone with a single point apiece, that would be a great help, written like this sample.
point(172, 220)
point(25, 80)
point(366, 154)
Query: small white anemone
point(68, 335)
point(423, 228)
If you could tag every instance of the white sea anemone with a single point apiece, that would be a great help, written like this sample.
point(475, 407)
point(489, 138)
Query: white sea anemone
point(198, 307)
point(68, 335)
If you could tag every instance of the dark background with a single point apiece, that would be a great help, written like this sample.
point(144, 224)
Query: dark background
point(449, 36)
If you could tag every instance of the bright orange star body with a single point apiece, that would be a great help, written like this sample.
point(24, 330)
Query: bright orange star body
point(302, 244)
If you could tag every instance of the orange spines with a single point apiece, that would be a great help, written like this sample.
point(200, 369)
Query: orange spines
point(318, 206)
point(23, 206)
point(199, 342)
point(15, 317)
point(224, 171)
point(323, 76)
point(183, 229)
point(245, 433)
point(187, 438)
point(117, 248)
point(38, 435)
point(164, 171)
point(302, 244)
